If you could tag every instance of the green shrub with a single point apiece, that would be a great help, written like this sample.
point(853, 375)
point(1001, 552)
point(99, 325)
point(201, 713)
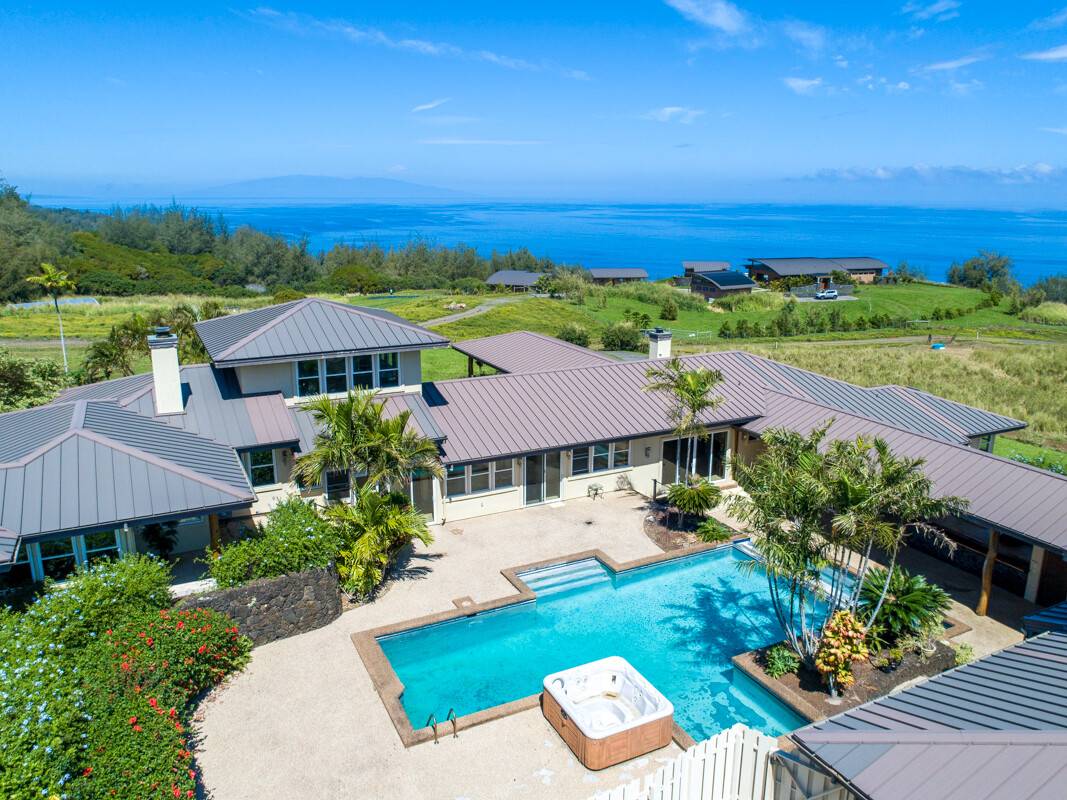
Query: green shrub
point(964, 654)
point(780, 660)
point(105, 282)
point(469, 285)
point(694, 498)
point(293, 539)
point(621, 336)
point(755, 301)
point(669, 310)
point(1046, 314)
point(575, 334)
point(712, 531)
point(285, 294)
point(911, 604)
point(656, 294)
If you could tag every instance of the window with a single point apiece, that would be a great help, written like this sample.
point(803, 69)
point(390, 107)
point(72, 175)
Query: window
point(620, 454)
point(388, 370)
point(20, 574)
point(57, 558)
point(480, 477)
point(601, 457)
point(307, 378)
point(337, 486)
point(260, 467)
point(101, 546)
point(336, 375)
point(503, 477)
point(362, 372)
point(456, 480)
point(580, 461)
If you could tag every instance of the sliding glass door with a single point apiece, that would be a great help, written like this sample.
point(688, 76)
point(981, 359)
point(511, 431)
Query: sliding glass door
point(541, 477)
point(711, 458)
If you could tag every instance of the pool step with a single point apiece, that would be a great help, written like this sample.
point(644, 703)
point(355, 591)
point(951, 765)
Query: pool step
point(565, 577)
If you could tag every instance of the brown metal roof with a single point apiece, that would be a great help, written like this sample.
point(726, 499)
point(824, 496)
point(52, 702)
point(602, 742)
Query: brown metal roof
point(705, 266)
point(421, 419)
point(524, 351)
point(1004, 493)
point(614, 273)
point(792, 267)
point(503, 415)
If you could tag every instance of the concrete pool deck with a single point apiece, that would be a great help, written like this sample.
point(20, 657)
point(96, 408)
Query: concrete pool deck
point(305, 721)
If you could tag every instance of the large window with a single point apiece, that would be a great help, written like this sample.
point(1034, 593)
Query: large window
point(259, 464)
point(338, 374)
point(362, 372)
point(483, 476)
point(388, 370)
point(336, 370)
point(57, 558)
point(101, 546)
point(338, 486)
point(600, 457)
point(711, 454)
point(307, 378)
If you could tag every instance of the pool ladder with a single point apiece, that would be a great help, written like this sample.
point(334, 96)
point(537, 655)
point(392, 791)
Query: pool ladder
point(450, 717)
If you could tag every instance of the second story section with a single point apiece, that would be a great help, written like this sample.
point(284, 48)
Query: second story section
point(311, 347)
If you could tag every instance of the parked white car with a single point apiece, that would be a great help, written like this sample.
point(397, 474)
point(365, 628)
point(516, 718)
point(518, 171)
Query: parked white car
point(826, 294)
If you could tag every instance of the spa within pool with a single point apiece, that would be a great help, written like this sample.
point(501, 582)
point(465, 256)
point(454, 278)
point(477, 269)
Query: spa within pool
point(677, 622)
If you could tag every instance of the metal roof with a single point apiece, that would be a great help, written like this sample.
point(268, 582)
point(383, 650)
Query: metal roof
point(995, 729)
point(790, 267)
point(607, 273)
point(214, 406)
point(108, 466)
point(525, 351)
point(1053, 618)
point(309, 327)
point(1007, 494)
point(705, 266)
point(421, 419)
point(502, 415)
point(9, 547)
point(513, 277)
point(726, 279)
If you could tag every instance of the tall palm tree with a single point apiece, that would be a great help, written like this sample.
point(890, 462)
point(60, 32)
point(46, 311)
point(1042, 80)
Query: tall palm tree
point(691, 392)
point(55, 283)
point(395, 451)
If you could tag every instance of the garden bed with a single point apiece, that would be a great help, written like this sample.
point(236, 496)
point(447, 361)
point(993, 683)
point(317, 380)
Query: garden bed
point(805, 692)
point(679, 535)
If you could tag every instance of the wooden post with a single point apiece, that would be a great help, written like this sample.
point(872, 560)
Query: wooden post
point(213, 525)
point(987, 573)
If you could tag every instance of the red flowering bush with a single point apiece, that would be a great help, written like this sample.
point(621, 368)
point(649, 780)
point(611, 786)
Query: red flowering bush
point(842, 643)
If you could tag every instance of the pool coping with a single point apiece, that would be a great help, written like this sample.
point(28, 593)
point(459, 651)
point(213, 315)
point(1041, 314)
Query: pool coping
point(389, 686)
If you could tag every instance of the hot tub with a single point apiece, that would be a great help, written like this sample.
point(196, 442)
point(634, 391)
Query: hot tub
point(607, 712)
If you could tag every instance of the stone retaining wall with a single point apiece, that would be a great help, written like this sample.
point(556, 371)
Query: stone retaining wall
point(276, 608)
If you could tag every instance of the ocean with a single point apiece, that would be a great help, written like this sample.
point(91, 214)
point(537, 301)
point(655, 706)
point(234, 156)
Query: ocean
point(660, 237)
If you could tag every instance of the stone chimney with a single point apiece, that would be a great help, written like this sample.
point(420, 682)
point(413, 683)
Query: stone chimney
point(659, 343)
point(166, 377)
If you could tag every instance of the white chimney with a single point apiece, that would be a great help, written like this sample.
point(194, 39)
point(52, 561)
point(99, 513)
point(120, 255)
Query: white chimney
point(166, 377)
point(659, 343)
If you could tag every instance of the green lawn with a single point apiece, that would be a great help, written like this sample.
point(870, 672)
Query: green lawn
point(1044, 457)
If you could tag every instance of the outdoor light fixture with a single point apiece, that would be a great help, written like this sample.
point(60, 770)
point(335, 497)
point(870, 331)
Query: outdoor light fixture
point(648, 452)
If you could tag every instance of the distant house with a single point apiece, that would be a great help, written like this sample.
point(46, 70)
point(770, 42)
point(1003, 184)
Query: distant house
point(515, 279)
point(863, 269)
point(613, 275)
point(713, 279)
point(692, 267)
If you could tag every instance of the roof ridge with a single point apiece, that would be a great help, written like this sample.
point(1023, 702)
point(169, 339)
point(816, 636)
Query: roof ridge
point(293, 306)
point(363, 312)
point(928, 437)
point(911, 401)
point(939, 397)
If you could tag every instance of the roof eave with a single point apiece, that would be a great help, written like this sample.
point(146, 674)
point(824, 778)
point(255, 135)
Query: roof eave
point(244, 362)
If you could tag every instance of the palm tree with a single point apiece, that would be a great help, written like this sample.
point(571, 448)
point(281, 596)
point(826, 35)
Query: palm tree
point(373, 528)
point(395, 451)
point(691, 391)
point(55, 283)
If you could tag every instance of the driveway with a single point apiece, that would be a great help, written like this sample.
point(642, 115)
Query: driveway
point(304, 720)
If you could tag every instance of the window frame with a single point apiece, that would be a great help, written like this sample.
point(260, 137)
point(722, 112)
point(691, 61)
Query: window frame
point(323, 375)
point(491, 471)
point(298, 378)
point(250, 468)
point(587, 457)
point(353, 372)
point(379, 369)
point(344, 374)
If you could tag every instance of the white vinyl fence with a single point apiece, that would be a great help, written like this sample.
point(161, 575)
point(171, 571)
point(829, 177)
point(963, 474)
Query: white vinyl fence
point(737, 764)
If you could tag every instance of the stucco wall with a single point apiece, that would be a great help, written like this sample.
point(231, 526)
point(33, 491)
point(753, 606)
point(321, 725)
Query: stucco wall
point(258, 378)
point(411, 368)
point(477, 505)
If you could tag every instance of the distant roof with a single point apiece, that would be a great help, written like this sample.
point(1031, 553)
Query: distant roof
point(1012, 496)
point(421, 419)
point(995, 729)
point(525, 351)
point(726, 279)
point(1053, 618)
point(308, 327)
point(513, 277)
point(93, 465)
point(214, 406)
point(610, 273)
point(705, 266)
point(790, 267)
point(9, 546)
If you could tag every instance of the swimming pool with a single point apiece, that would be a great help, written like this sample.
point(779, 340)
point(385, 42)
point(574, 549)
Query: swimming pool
point(678, 622)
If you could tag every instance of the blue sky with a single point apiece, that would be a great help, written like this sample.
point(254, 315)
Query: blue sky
point(913, 100)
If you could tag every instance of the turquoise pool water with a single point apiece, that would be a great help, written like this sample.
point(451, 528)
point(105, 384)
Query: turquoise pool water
point(678, 623)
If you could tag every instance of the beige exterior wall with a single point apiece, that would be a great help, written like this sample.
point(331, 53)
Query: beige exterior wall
point(411, 368)
point(259, 378)
point(478, 505)
point(747, 448)
point(863, 277)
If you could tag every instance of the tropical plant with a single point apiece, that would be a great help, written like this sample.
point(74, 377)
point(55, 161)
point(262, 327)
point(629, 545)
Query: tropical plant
point(964, 654)
point(669, 310)
point(691, 394)
point(28, 382)
point(780, 660)
point(693, 498)
point(842, 643)
point(575, 334)
point(817, 507)
point(55, 283)
point(373, 528)
point(621, 336)
point(911, 604)
point(711, 531)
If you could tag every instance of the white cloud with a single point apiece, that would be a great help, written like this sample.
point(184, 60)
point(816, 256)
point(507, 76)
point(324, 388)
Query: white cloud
point(1054, 54)
point(954, 64)
point(487, 142)
point(718, 15)
point(805, 86)
point(305, 24)
point(682, 114)
point(1060, 131)
point(925, 174)
point(841, 61)
point(940, 10)
point(810, 37)
point(965, 87)
point(1057, 20)
point(430, 105)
